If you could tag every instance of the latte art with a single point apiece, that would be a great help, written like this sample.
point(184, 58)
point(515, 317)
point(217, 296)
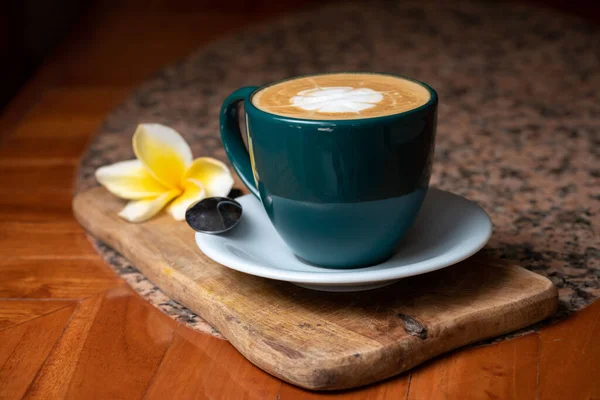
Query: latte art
point(341, 96)
point(337, 99)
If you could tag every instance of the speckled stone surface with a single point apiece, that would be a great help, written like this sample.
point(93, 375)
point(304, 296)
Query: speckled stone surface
point(518, 126)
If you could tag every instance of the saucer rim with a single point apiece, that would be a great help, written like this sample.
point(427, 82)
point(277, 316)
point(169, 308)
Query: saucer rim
point(351, 276)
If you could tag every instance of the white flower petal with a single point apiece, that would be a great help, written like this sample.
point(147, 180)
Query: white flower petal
point(194, 191)
point(129, 180)
point(141, 210)
point(164, 153)
point(213, 174)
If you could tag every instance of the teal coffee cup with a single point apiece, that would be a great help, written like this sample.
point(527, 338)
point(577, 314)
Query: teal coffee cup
point(340, 162)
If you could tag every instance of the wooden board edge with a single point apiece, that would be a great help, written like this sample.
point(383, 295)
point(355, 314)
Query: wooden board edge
point(323, 378)
point(341, 373)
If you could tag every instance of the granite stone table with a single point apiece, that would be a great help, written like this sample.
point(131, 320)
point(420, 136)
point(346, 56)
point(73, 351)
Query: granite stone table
point(518, 124)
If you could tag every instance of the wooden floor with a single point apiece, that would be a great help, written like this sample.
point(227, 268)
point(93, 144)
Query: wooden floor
point(70, 328)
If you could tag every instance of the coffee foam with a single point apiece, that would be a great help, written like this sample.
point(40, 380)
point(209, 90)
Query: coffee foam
point(337, 99)
point(341, 96)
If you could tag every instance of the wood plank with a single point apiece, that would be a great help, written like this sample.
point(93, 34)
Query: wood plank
point(54, 378)
point(506, 370)
point(223, 370)
point(84, 101)
point(392, 389)
point(25, 347)
point(321, 340)
point(106, 48)
point(54, 125)
point(44, 141)
point(27, 97)
point(121, 349)
point(35, 193)
point(17, 179)
point(44, 240)
point(58, 126)
point(46, 151)
point(569, 359)
point(55, 278)
point(15, 312)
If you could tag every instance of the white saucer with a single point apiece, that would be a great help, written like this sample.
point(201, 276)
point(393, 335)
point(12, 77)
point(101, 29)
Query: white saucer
point(449, 229)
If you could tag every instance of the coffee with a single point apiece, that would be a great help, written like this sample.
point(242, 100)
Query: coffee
point(341, 96)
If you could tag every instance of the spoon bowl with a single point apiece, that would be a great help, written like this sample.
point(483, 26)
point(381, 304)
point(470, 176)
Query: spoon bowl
point(214, 215)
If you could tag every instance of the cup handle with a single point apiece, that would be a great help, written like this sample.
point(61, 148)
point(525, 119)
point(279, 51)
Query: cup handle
point(231, 136)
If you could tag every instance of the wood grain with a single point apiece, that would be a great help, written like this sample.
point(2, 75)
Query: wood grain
point(46, 141)
point(35, 202)
point(87, 102)
point(321, 340)
point(24, 348)
point(46, 137)
point(570, 357)
point(229, 374)
point(507, 370)
point(174, 40)
point(120, 351)
point(50, 239)
point(54, 378)
point(394, 388)
point(15, 312)
point(54, 278)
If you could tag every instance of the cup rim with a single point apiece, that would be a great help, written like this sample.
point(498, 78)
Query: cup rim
point(433, 99)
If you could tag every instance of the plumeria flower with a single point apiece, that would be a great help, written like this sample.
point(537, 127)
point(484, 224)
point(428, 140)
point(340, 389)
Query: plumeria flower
point(164, 174)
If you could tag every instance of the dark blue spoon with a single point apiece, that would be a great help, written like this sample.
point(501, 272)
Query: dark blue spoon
point(214, 215)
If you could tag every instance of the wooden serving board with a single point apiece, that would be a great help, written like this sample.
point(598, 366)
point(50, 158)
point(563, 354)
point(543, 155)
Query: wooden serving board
point(321, 340)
